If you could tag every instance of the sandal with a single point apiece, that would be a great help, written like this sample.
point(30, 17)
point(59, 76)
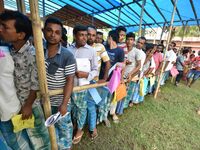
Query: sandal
point(107, 123)
point(76, 140)
point(94, 135)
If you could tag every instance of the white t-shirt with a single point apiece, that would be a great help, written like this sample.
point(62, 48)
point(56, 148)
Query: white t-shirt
point(9, 103)
point(133, 56)
point(171, 57)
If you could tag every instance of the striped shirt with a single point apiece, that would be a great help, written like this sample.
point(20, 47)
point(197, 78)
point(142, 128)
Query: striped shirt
point(58, 68)
point(102, 55)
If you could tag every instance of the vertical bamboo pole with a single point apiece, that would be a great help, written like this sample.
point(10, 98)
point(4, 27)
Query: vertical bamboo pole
point(162, 32)
point(168, 38)
point(184, 31)
point(21, 6)
point(1, 6)
point(37, 32)
point(141, 17)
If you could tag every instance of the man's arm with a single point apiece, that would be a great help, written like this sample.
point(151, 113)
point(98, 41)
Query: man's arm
point(67, 93)
point(105, 76)
point(135, 71)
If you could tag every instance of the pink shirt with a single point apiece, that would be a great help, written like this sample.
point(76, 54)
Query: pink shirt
point(158, 58)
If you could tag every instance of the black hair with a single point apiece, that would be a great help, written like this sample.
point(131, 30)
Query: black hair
point(142, 38)
point(149, 46)
point(185, 51)
point(120, 28)
point(79, 28)
point(114, 35)
point(22, 22)
point(93, 27)
point(174, 44)
point(161, 45)
point(100, 33)
point(53, 20)
point(130, 35)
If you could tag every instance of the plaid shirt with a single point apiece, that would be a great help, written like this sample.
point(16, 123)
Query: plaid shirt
point(25, 72)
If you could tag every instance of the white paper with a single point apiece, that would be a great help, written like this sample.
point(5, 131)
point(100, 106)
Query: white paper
point(83, 64)
point(54, 118)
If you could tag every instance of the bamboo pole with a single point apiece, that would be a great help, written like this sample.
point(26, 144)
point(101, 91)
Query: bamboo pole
point(37, 32)
point(141, 17)
point(168, 40)
point(1, 6)
point(21, 6)
point(162, 32)
point(184, 31)
point(79, 88)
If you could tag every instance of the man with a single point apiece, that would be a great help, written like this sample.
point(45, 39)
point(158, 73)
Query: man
point(169, 62)
point(116, 55)
point(99, 38)
point(194, 73)
point(16, 29)
point(9, 103)
point(121, 41)
point(133, 65)
point(60, 66)
point(102, 56)
point(140, 45)
point(180, 65)
point(86, 55)
point(158, 57)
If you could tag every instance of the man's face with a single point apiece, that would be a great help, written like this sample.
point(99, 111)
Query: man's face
point(140, 43)
point(99, 38)
point(130, 42)
point(8, 32)
point(159, 48)
point(91, 36)
point(81, 38)
point(169, 47)
point(122, 36)
point(53, 33)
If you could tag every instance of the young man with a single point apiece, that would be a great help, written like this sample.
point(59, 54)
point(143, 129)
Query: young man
point(133, 65)
point(102, 56)
point(84, 54)
point(140, 45)
point(194, 73)
point(99, 38)
point(60, 66)
point(9, 103)
point(121, 41)
point(180, 64)
point(169, 62)
point(16, 29)
point(116, 55)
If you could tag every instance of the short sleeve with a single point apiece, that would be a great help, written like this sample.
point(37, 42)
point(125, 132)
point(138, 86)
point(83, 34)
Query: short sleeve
point(70, 65)
point(104, 55)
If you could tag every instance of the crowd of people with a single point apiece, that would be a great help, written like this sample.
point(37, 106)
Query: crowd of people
point(88, 60)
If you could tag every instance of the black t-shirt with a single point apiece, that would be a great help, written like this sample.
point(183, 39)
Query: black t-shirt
point(116, 55)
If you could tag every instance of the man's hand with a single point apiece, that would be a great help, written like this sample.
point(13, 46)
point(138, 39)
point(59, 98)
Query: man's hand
point(101, 81)
point(63, 109)
point(82, 74)
point(129, 78)
point(128, 62)
point(26, 111)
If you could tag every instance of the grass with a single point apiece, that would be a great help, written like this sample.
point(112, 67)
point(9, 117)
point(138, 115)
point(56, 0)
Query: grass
point(169, 122)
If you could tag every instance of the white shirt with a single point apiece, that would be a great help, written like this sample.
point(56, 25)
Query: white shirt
point(9, 103)
point(132, 56)
point(171, 57)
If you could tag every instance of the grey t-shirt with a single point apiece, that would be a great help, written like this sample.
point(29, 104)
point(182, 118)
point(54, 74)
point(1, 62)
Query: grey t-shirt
point(179, 61)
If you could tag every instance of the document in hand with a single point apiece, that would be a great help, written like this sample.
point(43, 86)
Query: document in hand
point(83, 64)
point(19, 124)
point(54, 118)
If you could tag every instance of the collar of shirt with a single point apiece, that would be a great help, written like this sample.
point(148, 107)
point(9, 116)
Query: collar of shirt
point(85, 46)
point(23, 48)
point(46, 50)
